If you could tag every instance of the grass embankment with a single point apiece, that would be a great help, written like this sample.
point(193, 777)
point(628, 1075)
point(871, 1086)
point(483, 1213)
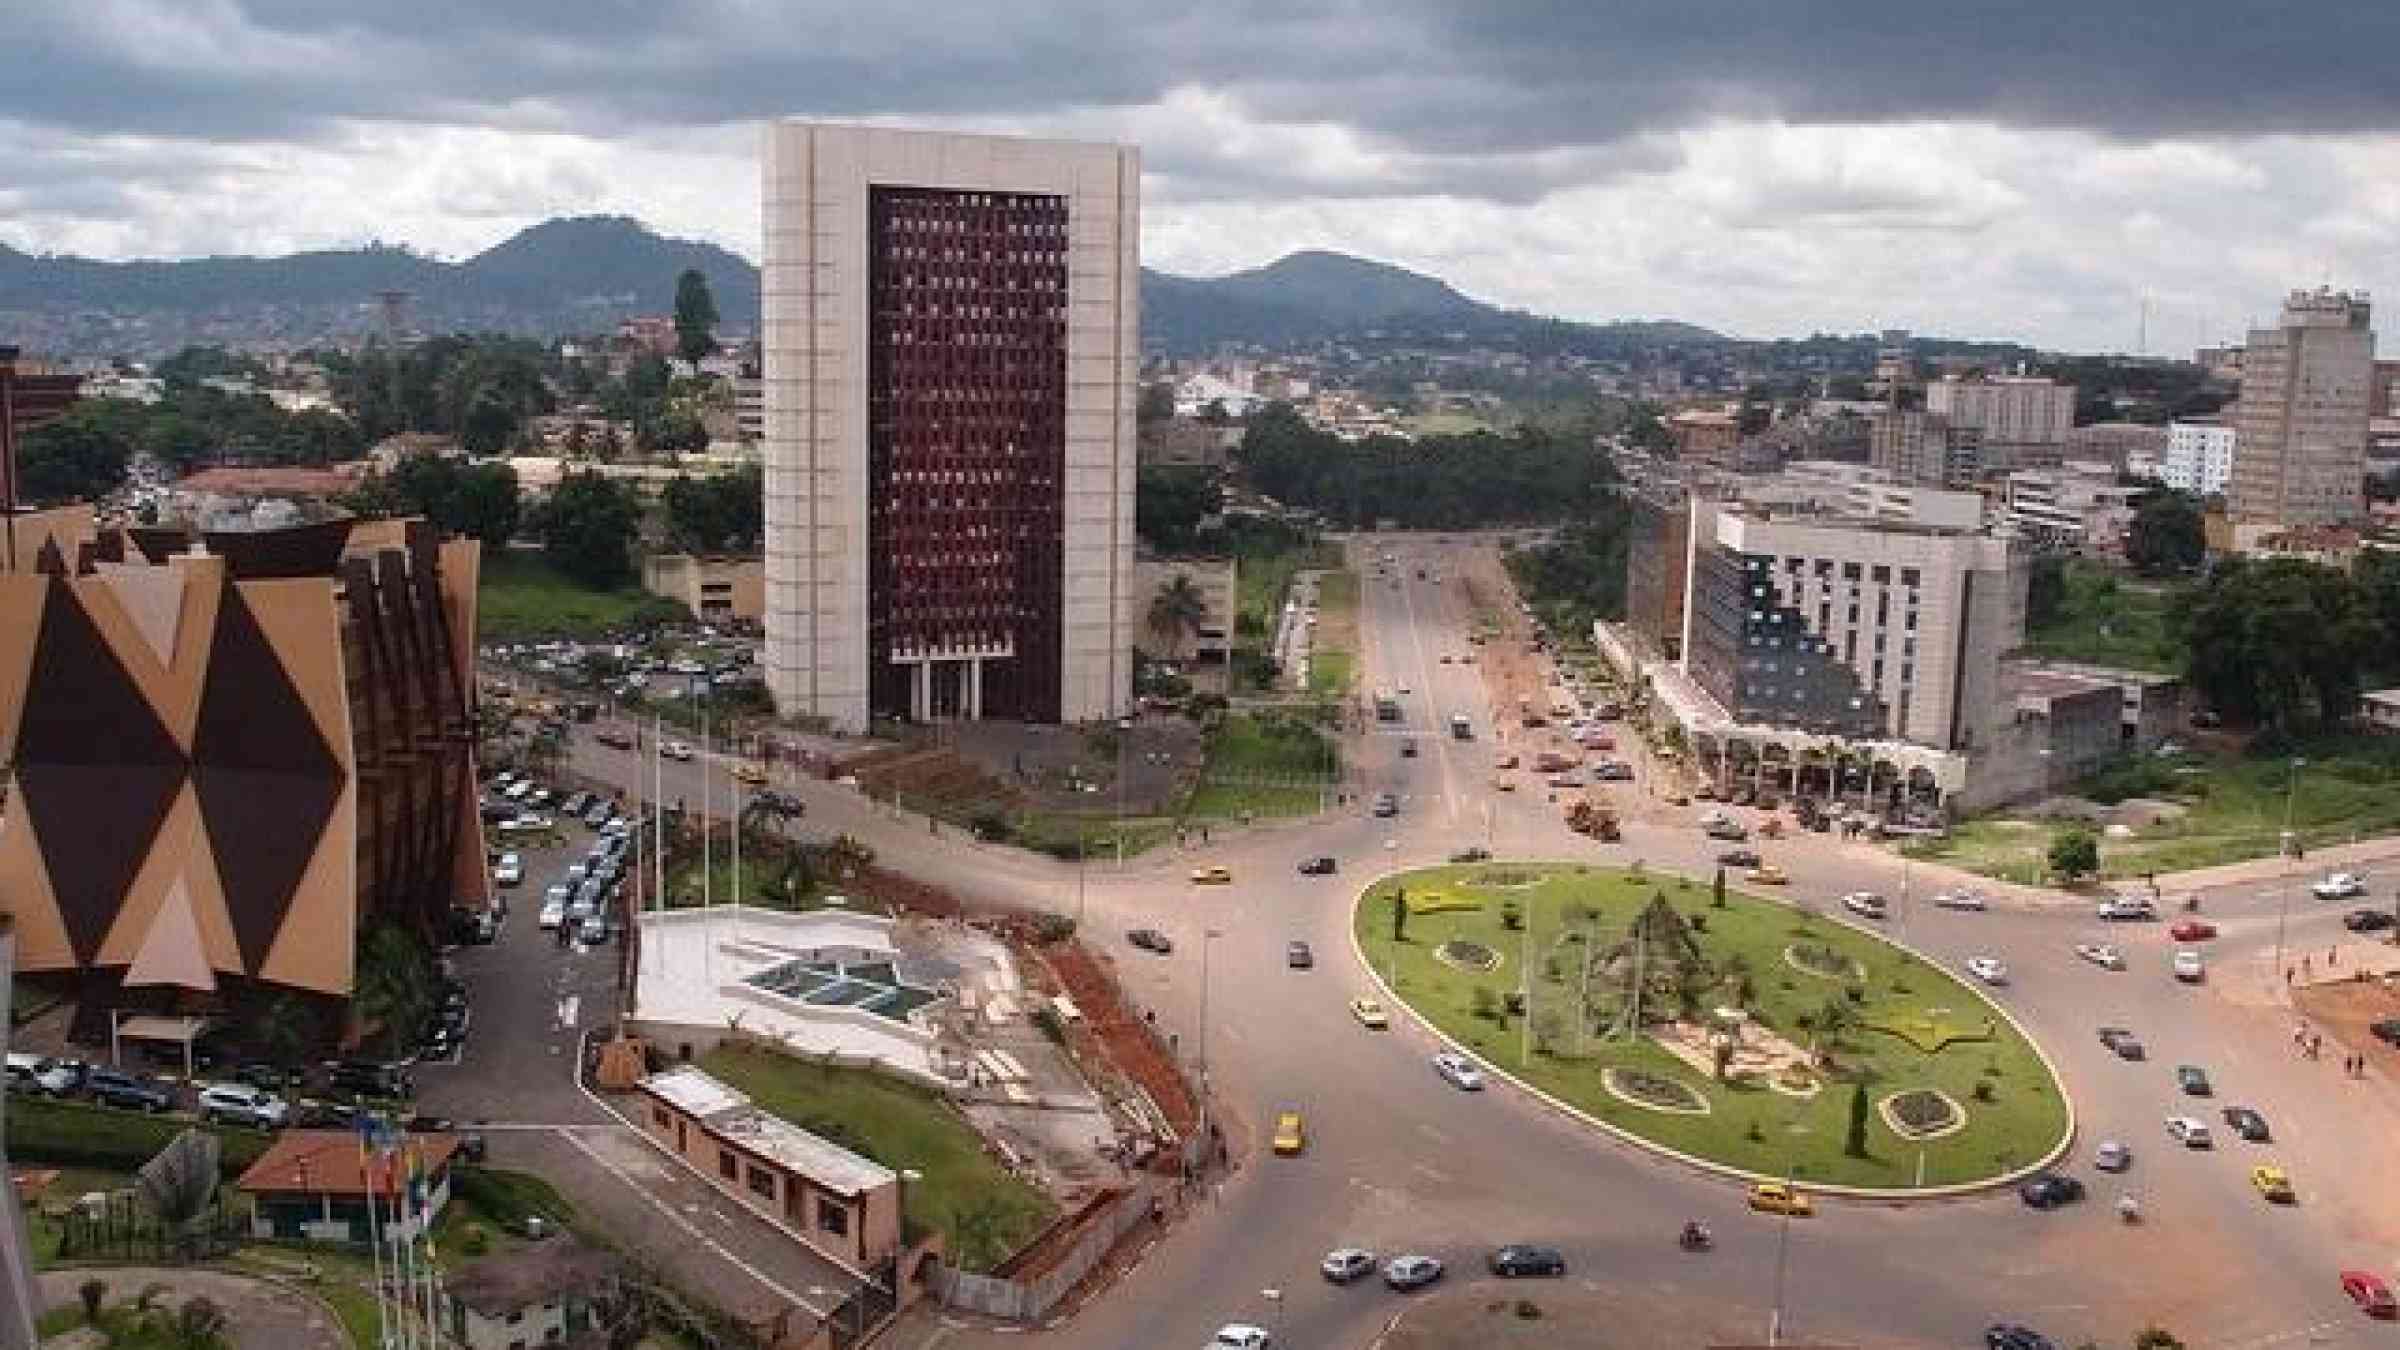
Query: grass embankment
point(522, 596)
point(982, 1211)
point(2107, 620)
point(1333, 648)
point(1749, 1124)
point(2233, 809)
point(1268, 765)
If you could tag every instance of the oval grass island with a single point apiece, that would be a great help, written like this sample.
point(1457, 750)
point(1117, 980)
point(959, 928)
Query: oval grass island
point(1642, 976)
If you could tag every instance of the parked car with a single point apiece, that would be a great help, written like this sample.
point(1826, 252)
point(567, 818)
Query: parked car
point(2189, 968)
point(594, 931)
point(576, 805)
point(2247, 1123)
point(525, 823)
point(1345, 1264)
point(115, 1087)
point(242, 1104)
point(1320, 866)
point(368, 1078)
point(1959, 898)
point(1151, 940)
point(1370, 1014)
point(1411, 1271)
point(1472, 855)
point(1459, 1071)
point(1518, 1261)
point(1989, 969)
point(1298, 956)
point(676, 750)
point(2386, 1030)
point(2367, 920)
point(510, 871)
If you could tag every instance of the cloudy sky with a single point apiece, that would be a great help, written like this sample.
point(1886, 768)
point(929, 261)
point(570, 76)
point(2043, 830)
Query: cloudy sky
point(1767, 167)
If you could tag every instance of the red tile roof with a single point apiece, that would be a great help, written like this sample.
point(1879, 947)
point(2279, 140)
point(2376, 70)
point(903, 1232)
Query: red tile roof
point(328, 1162)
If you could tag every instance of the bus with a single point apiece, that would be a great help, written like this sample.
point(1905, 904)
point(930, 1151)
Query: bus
point(1387, 708)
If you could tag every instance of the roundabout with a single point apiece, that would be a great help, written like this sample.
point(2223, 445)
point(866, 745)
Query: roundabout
point(1677, 1015)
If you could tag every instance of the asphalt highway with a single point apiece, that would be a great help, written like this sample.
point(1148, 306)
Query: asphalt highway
point(1398, 1160)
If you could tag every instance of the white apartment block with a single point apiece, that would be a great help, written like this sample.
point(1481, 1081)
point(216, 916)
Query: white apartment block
point(2023, 420)
point(2199, 456)
point(950, 347)
point(2300, 449)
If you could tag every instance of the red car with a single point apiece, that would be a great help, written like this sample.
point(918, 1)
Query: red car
point(2370, 1293)
point(2192, 930)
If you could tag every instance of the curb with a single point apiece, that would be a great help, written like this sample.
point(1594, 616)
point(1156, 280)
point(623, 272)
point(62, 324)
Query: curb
point(1710, 1166)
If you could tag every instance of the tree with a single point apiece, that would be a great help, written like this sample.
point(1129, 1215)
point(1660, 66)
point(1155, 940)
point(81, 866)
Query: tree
point(1176, 611)
point(2283, 641)
point(695, 316)
point(200, 1324)
point(1716, 889)
point(587, 527)
point(2167, 536)
point(1169, 504)
point(722, 513)
point(2045, 591)
point(80, 455)
point(283, 1031)
point(486, 504)
point(2157, 1338)
point(2075, 853)
point(480, 501)
point(1855, 1142)
point(1157, 402)
point(675, 431)
point(392, 990)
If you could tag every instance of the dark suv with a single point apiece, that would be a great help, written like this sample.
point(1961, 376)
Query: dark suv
point(366, 1078)
point(1317, 867)
point(114, 1087)
point(1517, 1261)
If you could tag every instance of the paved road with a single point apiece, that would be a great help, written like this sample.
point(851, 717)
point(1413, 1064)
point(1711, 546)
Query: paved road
point(1400, 1160)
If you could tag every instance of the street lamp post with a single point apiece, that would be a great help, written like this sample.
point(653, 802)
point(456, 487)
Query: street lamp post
point(1208, 939)
point(1783, 1248)
point(2283, 902)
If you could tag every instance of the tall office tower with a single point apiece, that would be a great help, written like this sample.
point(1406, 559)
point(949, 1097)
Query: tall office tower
point(952, 336)
point(2300, 432)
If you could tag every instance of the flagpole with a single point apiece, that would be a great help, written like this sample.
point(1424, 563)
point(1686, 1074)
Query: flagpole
point(366, 1168)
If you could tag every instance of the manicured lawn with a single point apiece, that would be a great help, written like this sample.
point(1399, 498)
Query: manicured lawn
point(983, 1212)
point(522, 596)
point(75, 1134)
point(2108, 620)
point(1228, 801)
point(1059, 835)
point(1265, 766)
point(2234, 804)
point(1330, 671)
point(1749, 1124)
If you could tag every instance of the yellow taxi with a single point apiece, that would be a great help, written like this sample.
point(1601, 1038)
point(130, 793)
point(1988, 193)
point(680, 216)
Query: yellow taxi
point(1212, 876)
point(750, 773)
point(1768, 874)
point(1290, 1138)
point(1774, 1197)
point(2273, 1183)
point(1369, 1013)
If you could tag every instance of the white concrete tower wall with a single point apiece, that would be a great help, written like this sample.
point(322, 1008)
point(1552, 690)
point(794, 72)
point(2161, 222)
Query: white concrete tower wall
point(816, 336)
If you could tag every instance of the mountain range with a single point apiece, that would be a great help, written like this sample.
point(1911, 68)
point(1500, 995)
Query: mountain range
point(580, 274)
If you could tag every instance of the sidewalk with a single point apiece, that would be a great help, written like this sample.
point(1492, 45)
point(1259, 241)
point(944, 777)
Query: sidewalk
point(2334, 858)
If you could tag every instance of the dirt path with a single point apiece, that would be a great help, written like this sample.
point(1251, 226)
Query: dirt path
point(262, 1312)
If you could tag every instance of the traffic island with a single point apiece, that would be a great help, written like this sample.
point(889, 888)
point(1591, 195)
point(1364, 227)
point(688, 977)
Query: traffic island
point(1644, 1004)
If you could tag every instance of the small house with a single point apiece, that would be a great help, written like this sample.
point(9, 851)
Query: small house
point(559, 1292)
point(313, 1186)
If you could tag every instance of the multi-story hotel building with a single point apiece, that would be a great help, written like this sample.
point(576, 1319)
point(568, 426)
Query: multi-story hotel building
point(951, 344)
point(2199, 456)
point(2023, 420)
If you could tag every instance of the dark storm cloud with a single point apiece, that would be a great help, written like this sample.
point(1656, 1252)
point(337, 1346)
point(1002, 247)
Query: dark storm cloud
point(1433, 77)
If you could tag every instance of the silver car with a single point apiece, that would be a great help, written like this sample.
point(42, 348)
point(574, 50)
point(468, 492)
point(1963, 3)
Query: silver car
point(1459, 1071)
point(1345, 1264)
point(2112, 1156)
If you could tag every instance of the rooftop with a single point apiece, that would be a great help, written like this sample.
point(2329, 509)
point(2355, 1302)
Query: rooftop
point(730, 1114)
point(499, 1285)
point(334, 1162)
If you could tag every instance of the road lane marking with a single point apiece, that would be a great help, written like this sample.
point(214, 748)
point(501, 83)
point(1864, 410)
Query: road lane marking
point(568, 1007)
point(690, 1228)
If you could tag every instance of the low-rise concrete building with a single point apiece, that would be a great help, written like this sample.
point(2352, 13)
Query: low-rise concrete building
point(713, 588)
point(844, 1206)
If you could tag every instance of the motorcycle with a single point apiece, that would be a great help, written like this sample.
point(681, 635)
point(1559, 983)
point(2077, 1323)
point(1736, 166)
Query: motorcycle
point(1695, 1238)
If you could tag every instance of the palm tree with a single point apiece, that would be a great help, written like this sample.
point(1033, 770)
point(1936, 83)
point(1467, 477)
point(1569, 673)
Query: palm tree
point(1176, 611)
point(393, 987)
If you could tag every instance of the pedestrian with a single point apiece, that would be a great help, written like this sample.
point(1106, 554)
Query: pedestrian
point(2333, 957)
point(2287, 977)
point(2304, 966)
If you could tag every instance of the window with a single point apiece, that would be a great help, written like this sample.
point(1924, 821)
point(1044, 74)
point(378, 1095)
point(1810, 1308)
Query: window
point(727, 1166)
point(1854, 613)
point(1908, 675)
point(1882, 575)
point(1850, 571)
point(660, 1118)
point(832, 1218)
point(762, 1182)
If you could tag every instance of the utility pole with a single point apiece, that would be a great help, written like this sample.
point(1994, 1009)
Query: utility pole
point(2283, 903)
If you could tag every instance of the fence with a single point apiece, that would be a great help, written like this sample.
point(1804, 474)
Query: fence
point(1031, 1300)
point(119, 1228)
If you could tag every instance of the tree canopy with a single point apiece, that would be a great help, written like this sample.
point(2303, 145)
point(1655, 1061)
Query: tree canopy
point(722, 513)
point(1170, 502)
point(478, 500)
point(81, 455)
point(1527, 476)
point(587, 527)
point(2167, 535)
point(695, 316)
point(2281, 641)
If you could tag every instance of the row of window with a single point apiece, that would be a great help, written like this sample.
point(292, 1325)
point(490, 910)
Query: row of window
point(1046, 315)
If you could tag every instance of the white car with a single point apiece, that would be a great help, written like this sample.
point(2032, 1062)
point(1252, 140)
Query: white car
point(527, 823)
point(2101, 954)
point(2189, 968)
point(2189, 1132)
point(2340, 886)
point(519, 790)
point(1240, 1336)
point(554, 913)
point(1866, 904)
point(241, 1104)
point(509, 871)
point(1988, 969)
point(2127, 909)
point(1958, 899)
point(2112, 1156)
point(1344, 1264)
point(676, 750)
point(1459, 1070)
